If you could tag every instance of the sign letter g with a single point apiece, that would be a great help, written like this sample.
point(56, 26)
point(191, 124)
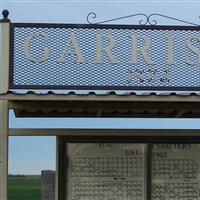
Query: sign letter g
point(27, 52)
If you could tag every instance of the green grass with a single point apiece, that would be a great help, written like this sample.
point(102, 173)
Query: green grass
point(24, 189)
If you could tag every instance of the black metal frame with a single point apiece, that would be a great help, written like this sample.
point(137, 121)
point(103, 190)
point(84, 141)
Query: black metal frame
point(63, 140)
point(92, 26)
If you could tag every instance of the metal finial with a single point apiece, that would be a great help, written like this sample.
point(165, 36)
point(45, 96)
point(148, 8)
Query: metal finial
point(5, 14)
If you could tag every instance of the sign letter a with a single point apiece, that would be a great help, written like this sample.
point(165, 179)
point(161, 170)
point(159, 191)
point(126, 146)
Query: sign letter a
point(77, 51)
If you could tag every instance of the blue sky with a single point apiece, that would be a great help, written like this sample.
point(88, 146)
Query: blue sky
point(29, 155)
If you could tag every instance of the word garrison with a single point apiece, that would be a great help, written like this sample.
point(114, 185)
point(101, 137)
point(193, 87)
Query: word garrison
point(73, 48)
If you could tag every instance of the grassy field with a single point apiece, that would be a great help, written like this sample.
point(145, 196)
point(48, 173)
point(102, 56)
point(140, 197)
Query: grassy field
point(24, 188)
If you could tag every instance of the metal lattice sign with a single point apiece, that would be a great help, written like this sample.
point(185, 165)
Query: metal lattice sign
point(113, 57)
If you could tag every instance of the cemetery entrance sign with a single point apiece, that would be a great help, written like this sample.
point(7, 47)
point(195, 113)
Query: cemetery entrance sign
point(94, 70)
point(108, 57)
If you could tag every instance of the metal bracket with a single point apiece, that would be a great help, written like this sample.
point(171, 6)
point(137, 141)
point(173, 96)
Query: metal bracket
point(147, 19)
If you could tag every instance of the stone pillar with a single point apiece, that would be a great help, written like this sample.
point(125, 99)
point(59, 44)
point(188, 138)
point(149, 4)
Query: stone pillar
point(48, 185)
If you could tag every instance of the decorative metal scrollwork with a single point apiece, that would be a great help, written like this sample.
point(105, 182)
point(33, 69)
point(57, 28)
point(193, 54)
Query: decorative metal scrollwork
point(148, 19)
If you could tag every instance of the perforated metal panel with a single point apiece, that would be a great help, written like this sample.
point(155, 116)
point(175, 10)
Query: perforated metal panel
point(124, 75)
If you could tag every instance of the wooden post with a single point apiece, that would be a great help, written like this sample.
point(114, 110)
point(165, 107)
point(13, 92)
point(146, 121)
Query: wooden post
point(3, 148)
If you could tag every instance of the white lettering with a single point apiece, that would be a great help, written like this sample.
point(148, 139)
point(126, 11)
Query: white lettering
point(77, 51)
point(143, 50)
point(194, 50)
point(27, 45)
point(107, 50)
point(170, 42)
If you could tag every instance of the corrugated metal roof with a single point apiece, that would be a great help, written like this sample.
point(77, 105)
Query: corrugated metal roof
point(82, 103)
point(105, 93)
